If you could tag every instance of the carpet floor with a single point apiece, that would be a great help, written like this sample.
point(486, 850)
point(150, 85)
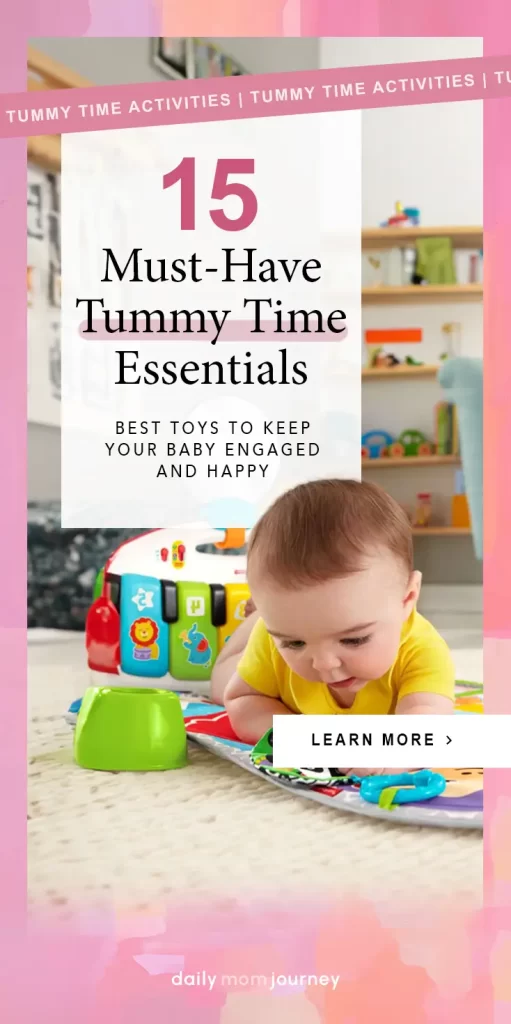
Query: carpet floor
point(210, 828)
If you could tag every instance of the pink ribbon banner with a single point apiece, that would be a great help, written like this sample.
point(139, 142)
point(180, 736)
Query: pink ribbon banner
point(222, 99)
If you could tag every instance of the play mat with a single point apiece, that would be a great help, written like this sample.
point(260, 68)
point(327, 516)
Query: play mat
point(459, 806)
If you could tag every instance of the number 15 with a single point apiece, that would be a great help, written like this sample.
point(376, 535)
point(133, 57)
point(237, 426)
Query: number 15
point(185, 173)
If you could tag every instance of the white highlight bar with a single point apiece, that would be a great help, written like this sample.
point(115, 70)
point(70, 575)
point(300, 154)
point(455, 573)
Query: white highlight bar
point(400, 741)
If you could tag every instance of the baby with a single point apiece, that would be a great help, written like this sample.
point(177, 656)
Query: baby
point(332, 628)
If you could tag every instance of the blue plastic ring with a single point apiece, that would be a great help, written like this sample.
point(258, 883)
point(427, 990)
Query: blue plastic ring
point(425, 786)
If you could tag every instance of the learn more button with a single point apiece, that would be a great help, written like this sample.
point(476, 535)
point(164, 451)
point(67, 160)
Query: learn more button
point(407, 741)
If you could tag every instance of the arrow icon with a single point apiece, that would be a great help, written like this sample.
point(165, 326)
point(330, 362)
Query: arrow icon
point(449, 740)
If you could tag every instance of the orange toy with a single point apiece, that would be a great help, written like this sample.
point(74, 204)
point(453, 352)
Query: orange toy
point(460, 512)
point(234, 538)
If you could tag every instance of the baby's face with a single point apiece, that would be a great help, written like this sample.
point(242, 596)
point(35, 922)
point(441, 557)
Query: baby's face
point(344, 632)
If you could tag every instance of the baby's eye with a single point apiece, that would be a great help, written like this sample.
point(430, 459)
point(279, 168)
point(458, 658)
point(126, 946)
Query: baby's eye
point(293, 645)
point(355, 641)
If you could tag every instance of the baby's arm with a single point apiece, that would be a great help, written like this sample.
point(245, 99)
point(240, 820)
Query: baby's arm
point(250, 713)
point(229, 657)
point(412, 704)
point(425, 704)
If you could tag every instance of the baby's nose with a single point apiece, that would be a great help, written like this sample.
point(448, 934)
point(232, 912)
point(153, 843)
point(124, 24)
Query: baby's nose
point(326, 661)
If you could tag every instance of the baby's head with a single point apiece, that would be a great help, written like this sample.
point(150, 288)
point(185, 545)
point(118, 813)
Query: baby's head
point(330, 568)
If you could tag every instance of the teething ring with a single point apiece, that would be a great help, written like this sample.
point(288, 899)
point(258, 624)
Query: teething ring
point(423, 785)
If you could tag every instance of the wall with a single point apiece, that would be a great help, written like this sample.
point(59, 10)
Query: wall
point(430, 156)
point(119, 62)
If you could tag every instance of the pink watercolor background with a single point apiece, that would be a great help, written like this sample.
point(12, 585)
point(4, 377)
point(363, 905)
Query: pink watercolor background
point(52, 975)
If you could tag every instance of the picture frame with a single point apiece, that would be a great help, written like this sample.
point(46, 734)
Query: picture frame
point(173, 56)
point(43, 296)
point(209, 61)
point(181, 58)
point(35, 210)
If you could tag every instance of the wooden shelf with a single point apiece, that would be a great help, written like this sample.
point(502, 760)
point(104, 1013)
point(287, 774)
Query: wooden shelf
point(382, 372)
point(423, 293)
point(46, 73)
point(385, 462)
point(51, 73)
point(442, 531)
point(44, 150)
point(387, 238)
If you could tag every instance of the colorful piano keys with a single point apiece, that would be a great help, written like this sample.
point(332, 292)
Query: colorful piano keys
point(144, 632)
point(162, 627)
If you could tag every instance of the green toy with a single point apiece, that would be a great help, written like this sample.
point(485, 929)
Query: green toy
point(435, 261)
point(98, 585)
point(262, 759)
point(411, 443)
point(121, 729)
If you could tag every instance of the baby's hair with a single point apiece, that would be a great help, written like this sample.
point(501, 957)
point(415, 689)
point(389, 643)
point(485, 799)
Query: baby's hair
point(324, 530)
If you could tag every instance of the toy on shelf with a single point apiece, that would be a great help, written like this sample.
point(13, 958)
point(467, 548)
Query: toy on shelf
point(376, 264)
point(375, 444)
point(460, 511)
point(403, 217)
point(423, 511)
point(453, 337)
point(446, 429)
point(410, 443)
point(379, 359)
point(375, 339)
point(378, 444)
point(435, 261)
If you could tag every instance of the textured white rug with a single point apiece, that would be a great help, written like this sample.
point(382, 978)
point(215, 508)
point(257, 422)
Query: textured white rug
point(210, 828)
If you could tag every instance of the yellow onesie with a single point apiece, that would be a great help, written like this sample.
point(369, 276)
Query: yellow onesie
point(422, 665)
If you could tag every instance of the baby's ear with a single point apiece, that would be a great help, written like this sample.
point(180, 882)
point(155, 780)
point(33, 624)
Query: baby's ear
point(413, 590)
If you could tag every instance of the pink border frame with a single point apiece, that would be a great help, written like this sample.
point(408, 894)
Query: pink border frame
point(492, 21)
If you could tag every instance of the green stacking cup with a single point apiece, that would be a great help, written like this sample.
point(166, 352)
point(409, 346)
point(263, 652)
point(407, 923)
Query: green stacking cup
point(126, 729)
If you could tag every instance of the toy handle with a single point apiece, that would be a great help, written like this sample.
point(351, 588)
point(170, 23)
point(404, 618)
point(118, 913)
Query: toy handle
point(198, 533)
point(233, 536)
point(378, 436)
